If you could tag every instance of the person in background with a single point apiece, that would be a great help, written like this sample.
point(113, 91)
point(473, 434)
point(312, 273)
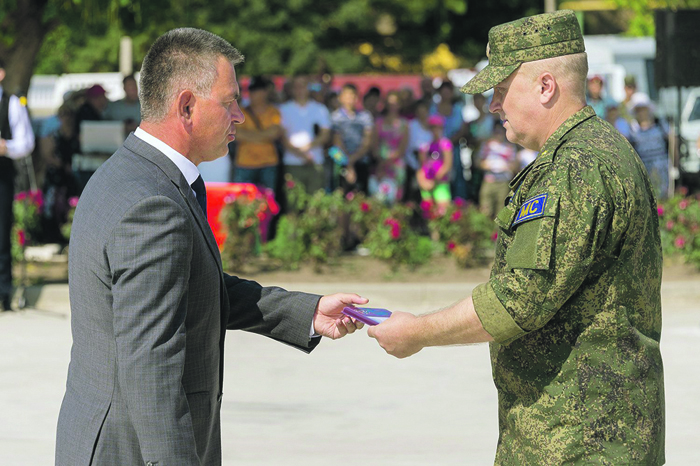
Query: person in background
point(408, 103)
point(595, 96)
point(16, 141)
point(332, 103)
point(371, 100)
point(419, 134)
point(427, 89)
point(352, 136)
point(257, 154)
point(497, 158)
point(436, 165)
point(306, 125)
point(93, 109)
point(450, 108)
point(391, 139)
point(650, 140)
point(127, 109)
point(612, 116)
point(475, 133)
point(59, 183)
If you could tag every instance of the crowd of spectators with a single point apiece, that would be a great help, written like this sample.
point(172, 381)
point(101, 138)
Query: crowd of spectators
point(386, 143)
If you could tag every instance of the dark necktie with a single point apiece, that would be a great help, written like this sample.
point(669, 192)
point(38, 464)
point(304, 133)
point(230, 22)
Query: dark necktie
point(201, 192)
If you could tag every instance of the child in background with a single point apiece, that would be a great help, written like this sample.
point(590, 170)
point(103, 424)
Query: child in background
point(498, 160)
point(436, 165)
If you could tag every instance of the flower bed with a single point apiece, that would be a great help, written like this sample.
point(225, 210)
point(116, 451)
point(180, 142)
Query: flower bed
point(679, 222)
point(313, 229)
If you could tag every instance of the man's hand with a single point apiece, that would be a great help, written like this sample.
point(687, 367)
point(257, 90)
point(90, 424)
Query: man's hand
point(329, 320)
point(3, 148)
point(398, 335)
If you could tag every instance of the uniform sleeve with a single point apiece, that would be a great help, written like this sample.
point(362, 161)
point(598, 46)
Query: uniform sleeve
point(150, 255)
point(22, 142)
point(551, 254)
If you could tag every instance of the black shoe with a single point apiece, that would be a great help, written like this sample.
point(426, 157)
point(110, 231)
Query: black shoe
point(6, 304)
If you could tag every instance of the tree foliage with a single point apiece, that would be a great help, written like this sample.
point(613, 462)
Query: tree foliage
point(642, 21)
point(277, 36)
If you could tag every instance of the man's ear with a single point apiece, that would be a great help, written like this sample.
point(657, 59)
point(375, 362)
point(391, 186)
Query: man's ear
point(185, 107)
point(2, 74)
point(548, 87)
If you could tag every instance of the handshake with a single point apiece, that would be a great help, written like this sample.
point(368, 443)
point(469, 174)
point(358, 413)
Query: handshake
point(400, 334)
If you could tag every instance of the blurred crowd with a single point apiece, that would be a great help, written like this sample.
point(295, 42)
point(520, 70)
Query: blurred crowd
point(390, 144)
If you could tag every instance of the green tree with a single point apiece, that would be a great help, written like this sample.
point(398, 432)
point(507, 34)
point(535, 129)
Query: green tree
point(642, 21)
point(277, 36)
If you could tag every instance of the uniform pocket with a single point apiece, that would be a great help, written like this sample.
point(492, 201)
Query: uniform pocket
point(533, 236)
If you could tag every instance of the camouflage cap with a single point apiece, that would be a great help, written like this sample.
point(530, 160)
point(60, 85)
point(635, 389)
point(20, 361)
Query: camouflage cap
point(527, 39)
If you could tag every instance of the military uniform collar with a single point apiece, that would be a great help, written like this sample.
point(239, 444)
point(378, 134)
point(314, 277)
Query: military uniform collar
point(547, 152)
point(550, 146)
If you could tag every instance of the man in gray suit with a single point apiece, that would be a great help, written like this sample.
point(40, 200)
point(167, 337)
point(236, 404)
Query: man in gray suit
point(149, 300)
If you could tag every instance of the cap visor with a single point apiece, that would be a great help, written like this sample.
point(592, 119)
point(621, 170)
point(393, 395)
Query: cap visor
point(488, 78)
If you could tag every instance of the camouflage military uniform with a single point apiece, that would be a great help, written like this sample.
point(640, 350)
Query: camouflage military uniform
point(574, 305)
point(573, 302)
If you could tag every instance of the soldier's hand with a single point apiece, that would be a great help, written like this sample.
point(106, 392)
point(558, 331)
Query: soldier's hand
point(3, 148)
point(399, 335)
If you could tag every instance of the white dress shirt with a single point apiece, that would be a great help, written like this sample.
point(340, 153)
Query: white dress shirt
point(189, 170)
point(22, 142)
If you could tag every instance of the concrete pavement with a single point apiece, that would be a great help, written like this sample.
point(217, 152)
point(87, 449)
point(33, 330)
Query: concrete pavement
point(348, 403)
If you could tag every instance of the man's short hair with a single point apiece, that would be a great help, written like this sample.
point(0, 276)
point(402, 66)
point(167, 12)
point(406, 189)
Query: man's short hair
point(569, 70)
point(180, 59)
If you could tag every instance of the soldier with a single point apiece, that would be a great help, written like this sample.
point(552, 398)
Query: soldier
point(572, 308)
point(16, 141)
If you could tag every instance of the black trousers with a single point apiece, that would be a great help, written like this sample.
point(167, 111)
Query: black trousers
point(7, 194)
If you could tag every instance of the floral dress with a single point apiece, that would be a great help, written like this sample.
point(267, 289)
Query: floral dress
point(387, 181)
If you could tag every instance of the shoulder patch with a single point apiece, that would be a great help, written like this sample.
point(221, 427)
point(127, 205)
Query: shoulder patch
point(532, 208)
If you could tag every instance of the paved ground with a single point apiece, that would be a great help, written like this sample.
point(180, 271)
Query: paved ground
point(348, 403)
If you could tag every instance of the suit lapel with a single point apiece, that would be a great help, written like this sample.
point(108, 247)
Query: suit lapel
point(139, 147)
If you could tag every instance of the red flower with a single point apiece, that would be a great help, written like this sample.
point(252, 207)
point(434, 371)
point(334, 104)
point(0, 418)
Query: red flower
point(494, 236)
point(451, 245)
point(456, 216)
point(350, 196)
point(425, 205)
point(660, 210)
point(669, 225)
point(365, 207)
point(680, 242)
point(73, 201)
point(21, 237)
point(459, 202)
point(395, 227)
point(21, 196)
point(683, 191)
point(229, 199)
point(290, 184)
point(683, 204)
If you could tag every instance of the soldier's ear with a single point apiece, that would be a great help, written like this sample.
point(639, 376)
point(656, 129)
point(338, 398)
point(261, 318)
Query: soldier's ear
point(548, 87)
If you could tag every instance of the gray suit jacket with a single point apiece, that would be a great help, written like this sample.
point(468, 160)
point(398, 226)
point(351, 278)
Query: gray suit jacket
point(150, 306)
